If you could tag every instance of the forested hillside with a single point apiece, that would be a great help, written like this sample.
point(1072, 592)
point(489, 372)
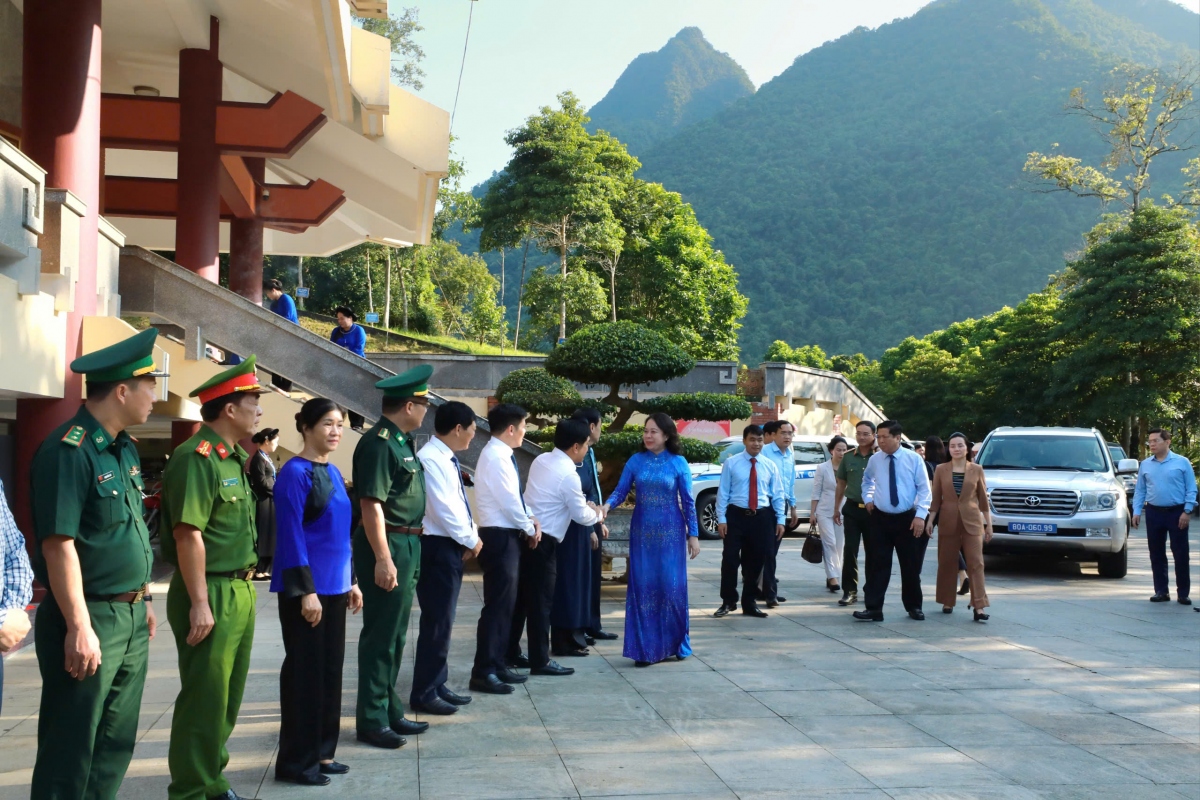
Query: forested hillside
point(874, 190)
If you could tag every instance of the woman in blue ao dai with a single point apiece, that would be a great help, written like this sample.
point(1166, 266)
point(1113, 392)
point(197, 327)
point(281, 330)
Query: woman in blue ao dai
point(662, 535)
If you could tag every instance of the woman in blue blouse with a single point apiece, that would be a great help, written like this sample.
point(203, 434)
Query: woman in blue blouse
point(312, 575)
point(662, 535)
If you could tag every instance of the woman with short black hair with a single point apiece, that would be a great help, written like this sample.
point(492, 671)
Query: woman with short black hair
point(261, 472)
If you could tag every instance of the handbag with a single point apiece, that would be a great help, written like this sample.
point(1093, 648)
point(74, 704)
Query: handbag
point(812, 551)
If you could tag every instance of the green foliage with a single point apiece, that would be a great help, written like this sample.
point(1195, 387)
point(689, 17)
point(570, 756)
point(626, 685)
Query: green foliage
point(466, 293)
point(406, 53)
point(698, 405)
point(618, 447)
point(456, 205)
point(545, 291)
point(809, 355)
point(619, 353)
point(540, 393)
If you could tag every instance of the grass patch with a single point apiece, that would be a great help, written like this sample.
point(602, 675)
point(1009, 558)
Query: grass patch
point(409, 342)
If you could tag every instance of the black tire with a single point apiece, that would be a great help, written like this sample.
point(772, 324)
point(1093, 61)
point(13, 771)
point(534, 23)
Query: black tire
point(1115, 565)
point(706, 515)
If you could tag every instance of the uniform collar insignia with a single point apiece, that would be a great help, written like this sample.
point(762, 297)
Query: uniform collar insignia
point(222, 451)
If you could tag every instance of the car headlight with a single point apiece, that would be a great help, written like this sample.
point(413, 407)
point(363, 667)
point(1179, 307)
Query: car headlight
point(1099, 501)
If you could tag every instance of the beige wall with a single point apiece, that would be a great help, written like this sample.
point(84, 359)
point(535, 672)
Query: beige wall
point(32, 344)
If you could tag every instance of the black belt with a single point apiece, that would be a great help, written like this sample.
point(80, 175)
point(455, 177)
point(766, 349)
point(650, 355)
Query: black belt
point(1178, 507)
point(747, 512)
point(236, 575)
point(879, 510)
point(124, 597)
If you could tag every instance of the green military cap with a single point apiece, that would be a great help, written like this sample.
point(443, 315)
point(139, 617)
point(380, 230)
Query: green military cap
point(240, 378)
point(411, 383)
point(129, 358)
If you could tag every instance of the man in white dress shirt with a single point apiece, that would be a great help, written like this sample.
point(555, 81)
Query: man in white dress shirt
point(555, 498)
point(504, 521)
point(449, 539)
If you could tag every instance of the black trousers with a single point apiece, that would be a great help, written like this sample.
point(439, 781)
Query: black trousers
point(539, 572)
point(310, 685)
point(855, 522)
point(1162, 525)
point(890, 532)
point(594, 624)
point(770, 585)
point(437, 592)
point(500, 559)
point(748, 538)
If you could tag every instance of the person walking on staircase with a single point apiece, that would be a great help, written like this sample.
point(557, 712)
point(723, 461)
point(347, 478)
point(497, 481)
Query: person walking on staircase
point(93, 556)
point(209, 537)
point(350, 335)
point(389, 484)
point(283, 305)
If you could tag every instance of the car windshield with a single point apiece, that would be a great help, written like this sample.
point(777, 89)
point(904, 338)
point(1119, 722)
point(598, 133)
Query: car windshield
point(1043, 451)
point(1116, 452)
point(808, 453)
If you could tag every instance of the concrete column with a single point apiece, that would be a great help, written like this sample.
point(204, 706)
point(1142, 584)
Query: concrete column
point(60, 130)
point(246, 246)
point(198, 224)
point(181, 431)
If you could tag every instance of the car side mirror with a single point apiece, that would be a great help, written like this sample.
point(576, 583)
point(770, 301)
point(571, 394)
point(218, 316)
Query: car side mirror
point(1126, 466)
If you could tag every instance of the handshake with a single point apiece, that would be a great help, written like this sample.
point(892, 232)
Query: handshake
point(601, 510)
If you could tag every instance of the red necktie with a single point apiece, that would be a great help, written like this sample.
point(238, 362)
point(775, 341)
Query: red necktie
point(753, 485)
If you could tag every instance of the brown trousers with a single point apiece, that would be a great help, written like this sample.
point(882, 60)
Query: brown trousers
point(950, 542)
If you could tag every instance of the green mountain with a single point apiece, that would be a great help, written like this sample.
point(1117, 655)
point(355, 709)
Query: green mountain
point(874, 189)
point(685, 82)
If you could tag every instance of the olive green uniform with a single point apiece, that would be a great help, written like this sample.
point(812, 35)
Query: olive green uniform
point(205, 486)
point(855, 518)
point(386, 468)
point(86, 485)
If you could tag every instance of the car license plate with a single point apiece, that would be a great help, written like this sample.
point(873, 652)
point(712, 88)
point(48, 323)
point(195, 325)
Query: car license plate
point(1032, 527)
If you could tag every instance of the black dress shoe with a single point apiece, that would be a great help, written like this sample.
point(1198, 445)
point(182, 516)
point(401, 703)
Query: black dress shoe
point(552, 668)
point(451, 697)
point(520, 662)
point(230, 794)
point(917, 614)
point(725, 609)
point(490, 684)
point(1160, 598)
point(947, 609)
point(435, 705)
point(334, 768)
point(780, 598)
point(577, 652)
point(1184, 601)
point(848, 599)
point(980, 616)
point(834, 588)
point(754, 612)
point(409, 727)
point(867, 614)
point(304, 780)
point(508, 676)
point(386, 738)
point(772, 604)
point(604, 635)
point(589, 640)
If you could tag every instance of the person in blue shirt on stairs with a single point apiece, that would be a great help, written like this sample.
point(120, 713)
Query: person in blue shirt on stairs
point(348, 333)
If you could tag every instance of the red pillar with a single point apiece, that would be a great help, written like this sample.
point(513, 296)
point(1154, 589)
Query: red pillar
point(197, 226)
point(246, 245)
point(181, 431)
point(60, 130)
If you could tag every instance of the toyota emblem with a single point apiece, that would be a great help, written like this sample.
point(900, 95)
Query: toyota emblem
point(1033, 501)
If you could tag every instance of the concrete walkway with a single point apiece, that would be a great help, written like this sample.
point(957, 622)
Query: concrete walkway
point(1077, 688)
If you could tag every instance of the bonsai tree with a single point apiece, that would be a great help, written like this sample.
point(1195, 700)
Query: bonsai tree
point(546, 397)
point(625, 354)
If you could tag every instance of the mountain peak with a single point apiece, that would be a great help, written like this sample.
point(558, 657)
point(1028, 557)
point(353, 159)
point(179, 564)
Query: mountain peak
point(686, 81)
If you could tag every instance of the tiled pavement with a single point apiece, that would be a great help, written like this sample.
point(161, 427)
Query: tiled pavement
point(1077, 688)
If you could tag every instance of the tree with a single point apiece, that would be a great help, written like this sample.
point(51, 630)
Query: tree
point(616, 354)
point(406, 53)
point(467, 292)
point(557, 188)
point(809, 355)
point(546, 397)
point(455, 204)
point(1137, 121)
point(546, 293)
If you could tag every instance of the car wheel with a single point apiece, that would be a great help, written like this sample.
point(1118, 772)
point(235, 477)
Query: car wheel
point(706, 515)
point(1115, 565)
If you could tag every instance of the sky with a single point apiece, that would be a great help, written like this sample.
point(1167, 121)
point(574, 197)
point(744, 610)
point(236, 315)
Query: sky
point(522, 53)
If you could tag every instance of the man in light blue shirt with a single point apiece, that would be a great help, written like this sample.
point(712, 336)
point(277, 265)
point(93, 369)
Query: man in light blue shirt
point(1166, 493)
point(895, 490)
point(778, 435)
point(750, 514)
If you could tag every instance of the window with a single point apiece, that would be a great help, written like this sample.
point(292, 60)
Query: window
point(1047, 451)
point(808, 453)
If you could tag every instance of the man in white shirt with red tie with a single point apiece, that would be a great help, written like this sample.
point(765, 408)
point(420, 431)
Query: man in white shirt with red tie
point(555, 498)
point(448, 540)
point(504, 522)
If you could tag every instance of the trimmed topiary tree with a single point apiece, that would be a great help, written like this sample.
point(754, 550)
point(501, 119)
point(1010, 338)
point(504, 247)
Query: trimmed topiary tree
point(543, 395)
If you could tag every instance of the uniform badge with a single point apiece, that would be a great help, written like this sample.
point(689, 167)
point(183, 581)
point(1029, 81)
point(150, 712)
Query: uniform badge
point(134, 472)
point(108, 476)
point(222, 451)
point(98, 438)
point(408, 458)
point(204, 448)
point(74, 436)
point(384, 433)
point(229, 482)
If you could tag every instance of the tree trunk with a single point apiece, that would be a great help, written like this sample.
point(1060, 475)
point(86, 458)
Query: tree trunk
point(502, 276)
point(404, 294)
point(300, 279)
point(625, 408)
point(521, 296)
point(387, 296)
point(370, 294)
point(612, 283)
point(562, 260)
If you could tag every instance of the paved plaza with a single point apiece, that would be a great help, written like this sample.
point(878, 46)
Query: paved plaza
point(1077, 688)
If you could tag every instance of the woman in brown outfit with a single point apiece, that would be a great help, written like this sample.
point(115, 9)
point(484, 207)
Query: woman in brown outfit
point(964, 524)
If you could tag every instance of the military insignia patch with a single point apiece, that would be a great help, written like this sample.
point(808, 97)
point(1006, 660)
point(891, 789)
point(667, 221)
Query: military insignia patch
point(222, 451)
point(229, 482)
point(74, 436)
point(108, 476)
point(384, 433)
point(98, 438)
point(204, 448)
point(134, 472)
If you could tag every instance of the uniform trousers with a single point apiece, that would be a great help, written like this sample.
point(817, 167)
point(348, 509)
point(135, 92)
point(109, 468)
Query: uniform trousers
point(212, 679)
point(539, 573)
point(384, 627)
point(87, 729)
point(890, 532)
point(855, 524)
point(310, 685)
point(500, 559)
point(437, 592)
point(748, 538)
point(1162, 524)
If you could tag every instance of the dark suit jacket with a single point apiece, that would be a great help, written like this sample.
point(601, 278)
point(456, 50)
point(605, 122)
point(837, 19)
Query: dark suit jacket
point(959, 514)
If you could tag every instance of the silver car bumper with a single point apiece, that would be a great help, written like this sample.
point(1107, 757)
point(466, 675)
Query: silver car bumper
point(1084, 534)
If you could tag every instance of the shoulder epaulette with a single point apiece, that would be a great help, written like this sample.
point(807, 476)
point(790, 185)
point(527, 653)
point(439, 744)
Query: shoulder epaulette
point(204, 448)
point(384, 433)
point(74, 436)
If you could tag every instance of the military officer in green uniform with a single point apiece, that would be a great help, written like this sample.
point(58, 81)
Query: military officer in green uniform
point(93, 556)
point(209, 537)
point(390, 486)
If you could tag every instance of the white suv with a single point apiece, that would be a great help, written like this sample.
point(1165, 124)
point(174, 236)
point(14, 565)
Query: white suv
point(1057, 490)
